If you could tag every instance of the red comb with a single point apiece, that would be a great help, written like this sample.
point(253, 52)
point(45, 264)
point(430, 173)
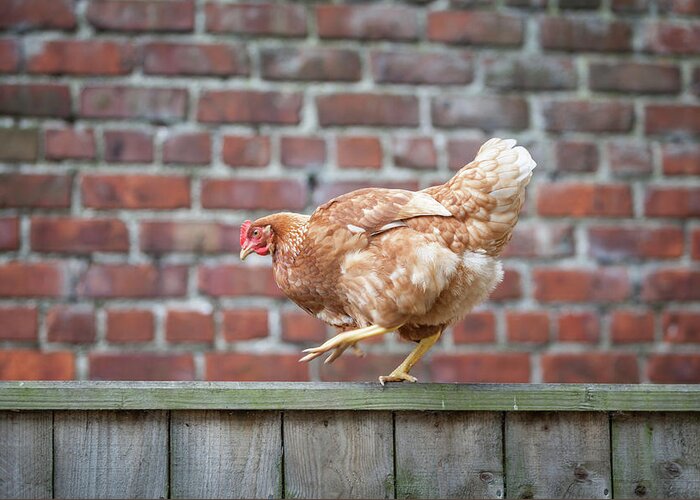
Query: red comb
point(244, 231)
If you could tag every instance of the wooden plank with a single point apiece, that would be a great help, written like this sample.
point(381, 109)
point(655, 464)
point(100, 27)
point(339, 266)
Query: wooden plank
point(26, 460)
point(656, 455)
point(94, 395)
point(339, 454)
point(449, 455)
point(558, 455)
point(221, 454)
point(111, 454)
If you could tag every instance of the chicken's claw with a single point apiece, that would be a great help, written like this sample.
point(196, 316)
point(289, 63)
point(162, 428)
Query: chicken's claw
point(397, 376)
point(342, 341)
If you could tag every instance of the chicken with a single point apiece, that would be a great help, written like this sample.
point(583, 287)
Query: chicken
point(375, 261)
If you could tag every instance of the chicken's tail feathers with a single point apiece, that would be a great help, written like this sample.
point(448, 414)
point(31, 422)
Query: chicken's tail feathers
point(512, 164)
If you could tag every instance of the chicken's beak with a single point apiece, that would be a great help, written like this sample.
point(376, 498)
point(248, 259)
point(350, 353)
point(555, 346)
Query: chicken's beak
point(245, 252)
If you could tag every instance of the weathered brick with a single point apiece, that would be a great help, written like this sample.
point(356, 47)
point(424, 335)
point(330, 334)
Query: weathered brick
point(475, 28)
point(367, 109)
point(24, 15)
point(244, 324)
point(589, 34)
point(630, 6)
point(139, 15)
point(573, 199)
point(462, 151)
point(81, 57)
point(681, 327)
point(188, 148)
point(529, 327)
point(184, 326)
point(578, 327)
point(588, 116)
point(159, 105)
point(9, 55)
point(508, 289)
point(359, 152)
point(476, 327)
point(18, 323)
point(681, 159)
point(665, 37)
point(421, 67)
point(70, 324)
point(18, 145)
point(133, 281)
point(414, 152)
point(633, 77)
point(689, 7)
point(129, 325)
point(367, 22)
point(254, 367)
point(484, 112)
point(69, 144)
point(249, 106)
point(298, 326)
point(302, 151)
point(310, 64)
point(128, 146)
point(609, 284)
point(590, 367)
point(531, 240)
point(135, 191)
point(282, 20)
point(9, 233)
point(195, 59)
point(681, 285)
point(35, 99)
point(576, 156)
point(630, 158)
point(32, 279)
point(501, 368)
point(619, 244)
point(229, 280)
point(695, 244)
point(253, 194)
point(35, 190)
point(32, 365)
point(530, 73)
point(632, 327)
point(242, 151)
point(674, 368)
point(672, 119)
point(672, 202)
point(140, 366)
point(72, 235)
point(189, 236)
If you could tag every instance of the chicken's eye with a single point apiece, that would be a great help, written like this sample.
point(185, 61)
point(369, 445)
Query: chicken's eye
point(256, 233)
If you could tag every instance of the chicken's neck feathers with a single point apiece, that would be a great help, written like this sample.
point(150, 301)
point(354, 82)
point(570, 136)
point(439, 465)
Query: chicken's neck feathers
point(289, 231)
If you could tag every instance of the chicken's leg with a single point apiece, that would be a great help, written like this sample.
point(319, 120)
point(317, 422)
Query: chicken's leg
point(344, 340)
point(401, 372)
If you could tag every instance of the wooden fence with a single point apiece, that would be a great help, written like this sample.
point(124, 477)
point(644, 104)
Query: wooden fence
point(308, 440)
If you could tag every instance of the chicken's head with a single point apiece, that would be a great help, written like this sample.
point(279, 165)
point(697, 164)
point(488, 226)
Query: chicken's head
point(256, 239)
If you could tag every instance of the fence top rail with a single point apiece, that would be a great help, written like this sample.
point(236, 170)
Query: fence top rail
point(82, 395)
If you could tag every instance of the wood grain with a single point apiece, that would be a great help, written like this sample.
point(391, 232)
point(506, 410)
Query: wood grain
point(449, 455)
point(338, 454)
point(111, 454)
point(26, 460)
point(656, 455)
point(222, 454)
point(558, 455)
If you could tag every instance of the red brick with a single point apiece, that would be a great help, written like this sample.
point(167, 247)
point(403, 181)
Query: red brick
point(133, 281)
point(414, 152)
point(483, 112)
point(244, 324)
point(508, 289)
point(328, 190)
point(682, 327)
point(681, 159)
point(588, 116)
point(300, 327)
point(462, 151)
point(631, 327)
point(254, 367)
point(24, 15)
point(619, 244)
point(70, 324)
point(689, 7)
point(240, 151)
point(253, 194)
point(141, 366)
point(135, 192)
point(630, 158)
point(578, 327)
point(69, 144)
point(189, 236)
point(530, 73)
point(139, 15)
point(674, 368)
point(476, 327)
point(195, 59)
point(71, 235)
point(18, 323)
point(541, 240)
point(37, 191)
point(421, 67)
point(672, 202)
point(32, 365)
point(229, 280)
point(249, 106)
point(367, 22)
point(663, 285)
point(695, 245)
point(282, 20)
point(591, 367)
point(677, 39)
point(609, 284)
point(189, 327)
point(188, 148)
point(18, 145)
point(475, 28)
point(159, 105)
point(680, 119)
point(128, 146)
point(350, 368)
point(81, 57)
point(36, 99)
point(632, 77)
point(303, 151)
point(530, 327)
point(35, 279)
point(584, 200)
point(367, 109)
point(359, 152)
point(9, 234)
point(576, 156)
point(9, 55)
point(129, 325)
point(585, 35)
point(310, 64)
point(501, 368)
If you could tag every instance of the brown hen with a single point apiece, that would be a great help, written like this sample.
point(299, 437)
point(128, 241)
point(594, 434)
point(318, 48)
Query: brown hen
point(375, 261)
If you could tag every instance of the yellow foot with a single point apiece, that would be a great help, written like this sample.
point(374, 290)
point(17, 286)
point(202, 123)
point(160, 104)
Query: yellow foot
point(342, 341)
point(397, 376)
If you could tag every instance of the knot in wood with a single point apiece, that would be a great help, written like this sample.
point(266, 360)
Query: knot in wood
point(486, 476)
point(673, 469)
point(580, 473)
point(640, 490)
point(526, 492)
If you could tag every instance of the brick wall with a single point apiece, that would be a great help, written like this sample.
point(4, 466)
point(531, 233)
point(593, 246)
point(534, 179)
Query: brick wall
point(135, 137)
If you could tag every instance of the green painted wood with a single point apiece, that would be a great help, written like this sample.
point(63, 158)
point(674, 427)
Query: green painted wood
point(338, 454)
point(558, 455)
point(656, 455)
point(449, 454)
point(224, 454)
point(345, 396)
point(26, 460)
